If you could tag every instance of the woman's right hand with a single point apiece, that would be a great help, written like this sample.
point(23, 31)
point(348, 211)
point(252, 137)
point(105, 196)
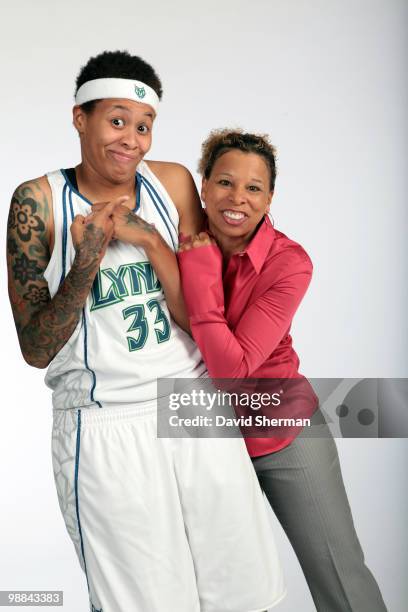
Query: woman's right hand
point(194, 242)
point(92, 234)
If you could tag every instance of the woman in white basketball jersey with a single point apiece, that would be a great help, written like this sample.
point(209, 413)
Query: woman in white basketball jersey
point(159, 525)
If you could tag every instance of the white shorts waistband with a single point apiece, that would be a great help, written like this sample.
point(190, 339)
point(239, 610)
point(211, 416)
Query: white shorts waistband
point(108, 414)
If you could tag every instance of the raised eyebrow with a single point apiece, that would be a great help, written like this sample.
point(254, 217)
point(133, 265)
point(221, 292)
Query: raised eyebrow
point(124, 108)
point(118, 106)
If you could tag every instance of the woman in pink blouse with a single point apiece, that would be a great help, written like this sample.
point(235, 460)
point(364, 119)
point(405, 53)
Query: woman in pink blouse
point(243, 281)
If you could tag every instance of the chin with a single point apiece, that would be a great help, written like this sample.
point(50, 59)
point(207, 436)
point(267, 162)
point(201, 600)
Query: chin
point(238, 230)
point(123, 176)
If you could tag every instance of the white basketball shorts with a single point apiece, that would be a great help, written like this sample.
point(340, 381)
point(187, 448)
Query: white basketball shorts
point(163, 525)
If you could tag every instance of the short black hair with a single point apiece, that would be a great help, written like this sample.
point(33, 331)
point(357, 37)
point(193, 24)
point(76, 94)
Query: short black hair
point(117, 65)
point(221, 141)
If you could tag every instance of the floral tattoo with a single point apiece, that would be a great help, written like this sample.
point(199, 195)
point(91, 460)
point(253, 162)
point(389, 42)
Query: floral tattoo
point(37, 295)
point(23, 219)
point(25, 269)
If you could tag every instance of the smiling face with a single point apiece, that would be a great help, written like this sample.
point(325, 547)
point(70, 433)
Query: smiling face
point(236, 195)
point(114, 136)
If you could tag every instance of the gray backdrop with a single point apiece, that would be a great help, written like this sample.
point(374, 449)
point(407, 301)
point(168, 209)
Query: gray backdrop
point(327, 80)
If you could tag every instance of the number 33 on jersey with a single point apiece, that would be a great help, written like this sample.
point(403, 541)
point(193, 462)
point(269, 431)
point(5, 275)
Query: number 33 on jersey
point(133, 279)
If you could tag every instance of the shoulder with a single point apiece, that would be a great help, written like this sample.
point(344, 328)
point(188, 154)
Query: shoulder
point(181, 187)
point(39, 187)
point(165, 168)
point(32, 198)
point(177, 180)
point(175, 177)
point(290, 254)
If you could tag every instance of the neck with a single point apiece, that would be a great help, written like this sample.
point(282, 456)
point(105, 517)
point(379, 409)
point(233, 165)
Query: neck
point(229, 245)
point(96, 188)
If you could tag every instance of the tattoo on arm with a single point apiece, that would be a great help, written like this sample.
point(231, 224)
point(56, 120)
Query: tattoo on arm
point(132, 219)
point(51, 327)
point(44, 325)
point(27, 251)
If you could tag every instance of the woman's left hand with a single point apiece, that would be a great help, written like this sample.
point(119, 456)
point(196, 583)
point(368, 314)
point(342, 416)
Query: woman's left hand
point(132, 229)
point(128, 227)
point(196, 241)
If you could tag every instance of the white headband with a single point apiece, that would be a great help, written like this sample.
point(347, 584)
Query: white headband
point(98, 89)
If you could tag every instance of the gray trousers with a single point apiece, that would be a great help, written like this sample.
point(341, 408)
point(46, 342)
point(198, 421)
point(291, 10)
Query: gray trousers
point(304, 486)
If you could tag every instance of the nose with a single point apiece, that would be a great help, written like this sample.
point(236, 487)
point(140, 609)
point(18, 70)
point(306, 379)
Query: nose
point(238, 195)
point(130, 138)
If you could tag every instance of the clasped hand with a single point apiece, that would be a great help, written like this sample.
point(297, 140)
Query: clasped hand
point(196, 241)
point(110, 221)
point(127, 226)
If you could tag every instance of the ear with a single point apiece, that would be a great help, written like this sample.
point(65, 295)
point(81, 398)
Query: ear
point(268, 207)
point(203, 194)
point(79, 119)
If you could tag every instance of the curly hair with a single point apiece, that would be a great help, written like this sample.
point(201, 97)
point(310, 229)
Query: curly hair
point(223, 140)
point(119, 65)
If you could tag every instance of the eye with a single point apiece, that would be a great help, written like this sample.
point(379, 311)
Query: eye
point(143, 129)
point(254, 188)
point(117, 122)
point(224, 182)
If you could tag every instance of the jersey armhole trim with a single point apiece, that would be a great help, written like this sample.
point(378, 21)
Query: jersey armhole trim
point(52, 272)
point(147, 187)
point(152, 177)
point(72, 188)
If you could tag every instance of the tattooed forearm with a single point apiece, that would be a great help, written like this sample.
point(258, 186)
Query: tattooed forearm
point(51, 327)
point(132, 219)
point(89, 247)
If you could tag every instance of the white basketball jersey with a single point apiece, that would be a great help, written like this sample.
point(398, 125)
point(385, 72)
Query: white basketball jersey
point(125, 338)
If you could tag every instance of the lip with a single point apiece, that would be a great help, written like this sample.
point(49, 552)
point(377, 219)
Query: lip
point(122, 158)
point(235, 222)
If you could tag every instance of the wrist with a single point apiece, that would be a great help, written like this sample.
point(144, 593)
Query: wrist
point(152, 241)
point(84, 260)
